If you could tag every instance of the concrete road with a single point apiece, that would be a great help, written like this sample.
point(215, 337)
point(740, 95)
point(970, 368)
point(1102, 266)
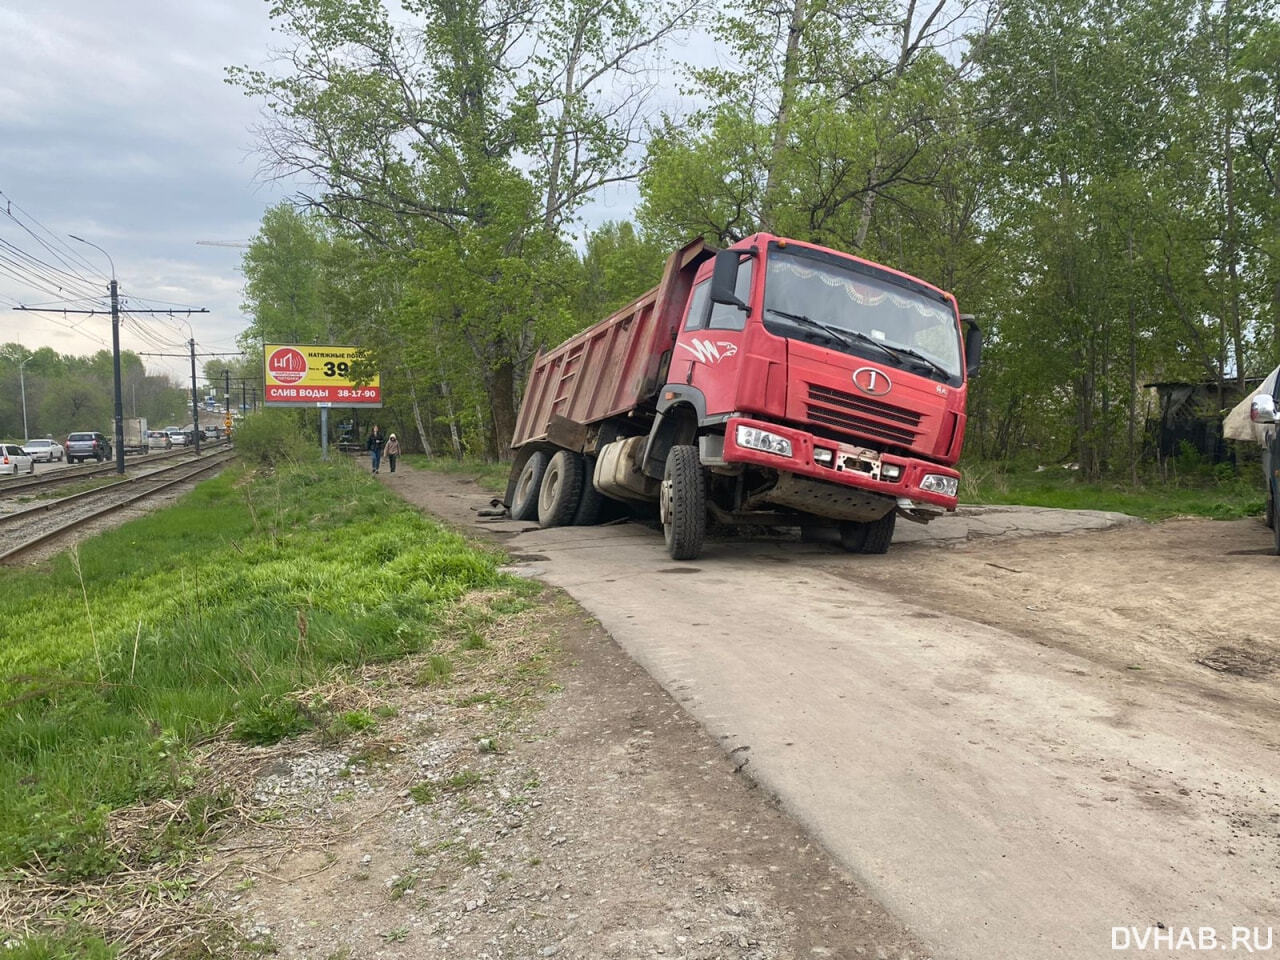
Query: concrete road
point(1007, 800)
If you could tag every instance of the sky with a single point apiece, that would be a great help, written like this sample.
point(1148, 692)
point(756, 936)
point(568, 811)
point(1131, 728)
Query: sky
point(116, 126)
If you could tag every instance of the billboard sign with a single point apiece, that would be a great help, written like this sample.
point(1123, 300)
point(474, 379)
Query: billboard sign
point(309, 375)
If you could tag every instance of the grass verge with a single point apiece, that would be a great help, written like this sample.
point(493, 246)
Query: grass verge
point(205, 618)
point(1202, 493)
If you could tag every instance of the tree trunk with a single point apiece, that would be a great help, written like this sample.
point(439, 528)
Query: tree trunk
point(417, 413)
point(502, 405)
point(790, 73)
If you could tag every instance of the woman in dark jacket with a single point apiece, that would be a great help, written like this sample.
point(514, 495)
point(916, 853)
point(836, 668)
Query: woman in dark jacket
point(374, 445)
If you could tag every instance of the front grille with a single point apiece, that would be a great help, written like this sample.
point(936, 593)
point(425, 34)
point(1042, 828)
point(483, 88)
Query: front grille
point(862, 416)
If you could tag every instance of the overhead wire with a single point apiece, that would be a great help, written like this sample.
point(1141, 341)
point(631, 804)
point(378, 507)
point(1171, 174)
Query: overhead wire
point(66, 254)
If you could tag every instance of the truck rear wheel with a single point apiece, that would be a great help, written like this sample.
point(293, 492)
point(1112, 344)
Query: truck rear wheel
point(871, 536)
point(592, 502)
point(683, 503)
point(524, 501)
point(561, 490)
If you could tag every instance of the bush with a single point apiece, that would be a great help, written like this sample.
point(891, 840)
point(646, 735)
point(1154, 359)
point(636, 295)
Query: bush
point(272, 437)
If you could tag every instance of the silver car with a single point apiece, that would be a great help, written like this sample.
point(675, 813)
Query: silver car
point(45, 451)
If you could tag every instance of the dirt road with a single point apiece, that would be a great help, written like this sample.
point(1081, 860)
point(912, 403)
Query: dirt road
point(1017, 745)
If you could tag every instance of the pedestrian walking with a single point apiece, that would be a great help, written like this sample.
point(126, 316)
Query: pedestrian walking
point(392, 451)
point(374, 445)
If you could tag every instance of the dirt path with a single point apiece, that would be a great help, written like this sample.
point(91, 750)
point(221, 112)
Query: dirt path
point(1015, 744)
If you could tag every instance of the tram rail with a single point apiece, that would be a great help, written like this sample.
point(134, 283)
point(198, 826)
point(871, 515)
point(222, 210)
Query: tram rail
point(149, 484)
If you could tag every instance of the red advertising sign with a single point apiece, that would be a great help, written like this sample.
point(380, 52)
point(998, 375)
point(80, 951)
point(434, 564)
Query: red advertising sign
point(308, 375)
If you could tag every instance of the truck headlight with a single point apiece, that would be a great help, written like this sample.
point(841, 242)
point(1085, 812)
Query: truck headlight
point(936, 483)
point(754, 438)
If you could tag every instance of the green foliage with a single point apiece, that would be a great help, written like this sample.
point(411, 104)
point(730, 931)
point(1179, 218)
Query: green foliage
point(209, 614)
point(75, 944)
point(1095, 181)
point(271, 719)
point(273, 437)
point(66, 393)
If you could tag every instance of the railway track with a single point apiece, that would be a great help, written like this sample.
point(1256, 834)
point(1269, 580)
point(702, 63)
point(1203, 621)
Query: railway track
point(69, 474)
point(43, 522)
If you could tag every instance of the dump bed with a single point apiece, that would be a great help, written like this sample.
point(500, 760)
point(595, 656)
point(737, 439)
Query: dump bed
point(616, 365)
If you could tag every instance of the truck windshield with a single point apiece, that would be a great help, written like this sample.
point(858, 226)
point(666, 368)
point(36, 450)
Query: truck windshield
point(856, 312)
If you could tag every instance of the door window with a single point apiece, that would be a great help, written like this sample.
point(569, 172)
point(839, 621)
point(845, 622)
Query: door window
point(725, 316)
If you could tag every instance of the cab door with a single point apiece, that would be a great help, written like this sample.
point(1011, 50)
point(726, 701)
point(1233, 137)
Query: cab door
point(707, 349)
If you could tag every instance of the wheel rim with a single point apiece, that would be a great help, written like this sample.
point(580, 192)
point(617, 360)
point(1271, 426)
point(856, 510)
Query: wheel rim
point(526, 478)
point(550, 486)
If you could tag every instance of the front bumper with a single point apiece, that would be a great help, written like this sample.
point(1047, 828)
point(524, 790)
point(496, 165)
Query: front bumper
point(849, 465)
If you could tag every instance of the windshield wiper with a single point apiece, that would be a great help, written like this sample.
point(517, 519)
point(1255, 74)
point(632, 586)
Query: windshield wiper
point(847, 337)
point(834, 332)
point(919, 358)
point(837, 333)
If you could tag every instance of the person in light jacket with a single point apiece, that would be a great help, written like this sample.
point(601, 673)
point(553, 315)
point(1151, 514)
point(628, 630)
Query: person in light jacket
point(392, 451)
point(374, 445)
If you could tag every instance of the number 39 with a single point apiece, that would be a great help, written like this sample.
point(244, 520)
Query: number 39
point(341, 369)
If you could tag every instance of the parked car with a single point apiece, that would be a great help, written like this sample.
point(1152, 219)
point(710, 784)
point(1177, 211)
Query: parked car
point(88, 444)
point(158, 440)
point(45, 451)
point(14, 460)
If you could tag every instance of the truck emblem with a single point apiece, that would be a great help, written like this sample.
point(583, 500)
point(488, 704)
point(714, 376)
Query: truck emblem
point(872, 381)
point(711, 351)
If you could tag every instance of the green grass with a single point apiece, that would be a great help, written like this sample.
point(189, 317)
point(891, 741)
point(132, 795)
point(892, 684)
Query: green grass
point(198, 618)
point(1200, 493)
point(72, 945)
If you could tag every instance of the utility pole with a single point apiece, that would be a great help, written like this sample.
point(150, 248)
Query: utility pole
point(195, 400)
point(22, 384)
point(243, 386)
point(226, 379)
point(115, 370)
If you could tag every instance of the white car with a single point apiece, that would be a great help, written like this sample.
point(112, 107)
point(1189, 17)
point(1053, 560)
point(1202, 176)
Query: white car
point(45, 451)
point(178, 438)
point(13, 460)
point(158, 440)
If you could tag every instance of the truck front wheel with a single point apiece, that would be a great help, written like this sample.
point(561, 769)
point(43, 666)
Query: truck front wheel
point(868, 537)
point(524, 501)
point(561, 490)
point(683, 503)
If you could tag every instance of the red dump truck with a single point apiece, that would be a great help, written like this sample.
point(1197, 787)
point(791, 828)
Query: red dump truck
point(771, 383)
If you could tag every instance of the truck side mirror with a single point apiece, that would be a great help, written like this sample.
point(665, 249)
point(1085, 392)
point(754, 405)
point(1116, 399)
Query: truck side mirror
point(724, 279)
point(1262, 409)
point(972, 343)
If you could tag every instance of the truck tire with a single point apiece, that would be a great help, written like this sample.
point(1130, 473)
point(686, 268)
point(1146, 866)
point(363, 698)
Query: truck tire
point(524, 501)
point(683, 503)
point(871, 536)
point(561, 490)
point(592, 502)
